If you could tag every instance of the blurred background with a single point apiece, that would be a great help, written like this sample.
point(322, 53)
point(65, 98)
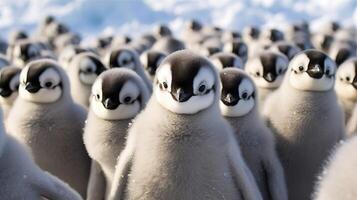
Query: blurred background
point(103, 17)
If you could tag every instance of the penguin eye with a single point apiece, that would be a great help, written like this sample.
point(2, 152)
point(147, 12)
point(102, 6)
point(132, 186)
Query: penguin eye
point(97, 97)
point(257, 73)
point(202, 88)
point(127, 100)
point(163, 85)
point(301, 68)
point(245, 95)
point(48, 84)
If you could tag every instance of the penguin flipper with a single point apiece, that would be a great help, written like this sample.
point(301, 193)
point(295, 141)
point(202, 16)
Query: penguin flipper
point(52, 188)
point(241, 173)
point(275, 178)
point(97, 185)
point(122, 168)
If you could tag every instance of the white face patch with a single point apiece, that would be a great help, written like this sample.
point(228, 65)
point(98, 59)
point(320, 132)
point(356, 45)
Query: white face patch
point(255, 69)
point(302, 81)
point(344, 79)
point(50, 91)
point(126, 110)
point(196, 103)
point(144, 59)
point(228, 47)
point(244, 105)
point(125, 59)
point(88, 66)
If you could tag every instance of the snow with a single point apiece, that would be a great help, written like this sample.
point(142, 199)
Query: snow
point(95, 17)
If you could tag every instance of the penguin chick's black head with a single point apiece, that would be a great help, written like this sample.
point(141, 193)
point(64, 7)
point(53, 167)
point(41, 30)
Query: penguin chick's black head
point(111, 89)
point(122, 57)
point(34, 81)
point(231, 93)
point(184, 69)
point(269, 61)
point(9, 80)
point(151, 60)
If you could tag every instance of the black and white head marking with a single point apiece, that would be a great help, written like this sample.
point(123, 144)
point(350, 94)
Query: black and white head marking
point(185, 83)
point(9, 84)
point(286, 48)
point(116, 95)
point(340, 53)
point(346, 80)
point(237, 94)
point(223, 60)
point(25, 52)
point(122, 58)
point(237, 47)
point(312, 70)
point(272, 35)
point(90, 67)
point(267, 69)
point(151, 60)
point(40, 82)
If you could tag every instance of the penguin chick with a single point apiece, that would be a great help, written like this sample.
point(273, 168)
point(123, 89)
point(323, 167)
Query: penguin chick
point(346, 86)
point(267, 71)
point(187, 150)
point(67, 54)
point(306, 120)
point(83, 69)
point(168, 45)
point(125, 57)
point(151, 60)
point(237, 47)
point(339, 177)
point(340, 52)
point(251, 33)
point(239, 107)
point(21, 178)
point(9, 85)
point(270, 36)
point(45, 119)
point(286, 48)
point(118, 95)
point(322, 41)
point(224, 60)
point(162, 30)
point(228, 36)
point(25, 51)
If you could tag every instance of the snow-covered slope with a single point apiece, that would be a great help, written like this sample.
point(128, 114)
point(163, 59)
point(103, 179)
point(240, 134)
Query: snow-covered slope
point(92, 17)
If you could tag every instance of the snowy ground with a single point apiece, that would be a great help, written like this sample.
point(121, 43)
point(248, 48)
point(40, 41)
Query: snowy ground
point(93, 17)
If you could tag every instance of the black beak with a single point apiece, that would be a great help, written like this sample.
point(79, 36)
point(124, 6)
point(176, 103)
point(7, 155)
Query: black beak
point(4, 92)
point(110, 104)
point(180, 95)
point(315, 71)
point(270, 77)
point(30, 87)
point(229, 99)
point(354, 83)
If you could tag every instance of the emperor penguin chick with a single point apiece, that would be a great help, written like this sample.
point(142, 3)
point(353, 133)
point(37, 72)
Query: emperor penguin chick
point(346, 86)
point(21, 178)
point(287, 48)
point(168, 45)
point(118, 95)
point(180, 147)
point(83, 69)
point(223, 60)
point(339, 177)
point(45, 118)
point(306, 119)
point(9, 85)
point(267, 71)
point(239, 106)
point(151, 60)
point(128, 58)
